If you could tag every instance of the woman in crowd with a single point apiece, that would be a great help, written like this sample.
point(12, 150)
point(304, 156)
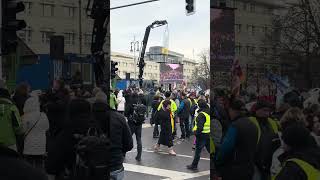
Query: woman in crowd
point(35, 125)
point(291, 117)
point(121, 102)
point(164, 117)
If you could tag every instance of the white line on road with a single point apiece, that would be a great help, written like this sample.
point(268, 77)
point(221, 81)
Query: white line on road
point(180, 155)
point(169, 174)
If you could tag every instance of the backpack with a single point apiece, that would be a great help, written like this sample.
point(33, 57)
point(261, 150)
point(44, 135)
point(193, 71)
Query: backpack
point(139, 111)
point(92, 155)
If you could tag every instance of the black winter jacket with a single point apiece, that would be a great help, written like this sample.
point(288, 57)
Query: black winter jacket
point(293, 171)
point(12, 167)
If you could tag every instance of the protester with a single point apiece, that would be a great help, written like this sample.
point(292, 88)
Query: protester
point(13, 167)
point(61, 153)
point(291, 117)
point(35, 124)
point(10, 123)
point(121, 102)
point(155, 104)
point(164, 117)
point(20, 96)
point(202, 132)
point(301, 159)
point(235, 158)
point(268, 140)
point(183, 114)
point(137, 118)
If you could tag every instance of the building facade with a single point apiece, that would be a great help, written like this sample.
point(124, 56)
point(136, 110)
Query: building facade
point(126, 65)
point(45, 18)
point(253, 24)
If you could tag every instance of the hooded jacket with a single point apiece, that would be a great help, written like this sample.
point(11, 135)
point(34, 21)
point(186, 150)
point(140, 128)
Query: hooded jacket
point(35, 123)
point(121, 101)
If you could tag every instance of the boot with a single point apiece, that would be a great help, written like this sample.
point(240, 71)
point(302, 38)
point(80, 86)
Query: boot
point(171, 152)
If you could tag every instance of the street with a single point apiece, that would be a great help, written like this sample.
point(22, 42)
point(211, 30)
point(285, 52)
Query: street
point(160, 165)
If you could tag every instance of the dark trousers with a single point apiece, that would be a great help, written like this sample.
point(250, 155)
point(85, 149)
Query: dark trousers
point(185, 127)
point(137, 130)
point(203, 140)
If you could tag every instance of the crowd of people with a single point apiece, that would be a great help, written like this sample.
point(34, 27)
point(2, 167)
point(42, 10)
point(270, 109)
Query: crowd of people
point(261, 141)
point(64, 133)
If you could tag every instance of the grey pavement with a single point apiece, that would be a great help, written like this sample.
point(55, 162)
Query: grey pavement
point(160, 165)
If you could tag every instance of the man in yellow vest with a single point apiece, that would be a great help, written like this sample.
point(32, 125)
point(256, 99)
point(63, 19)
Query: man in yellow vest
point(268, 138)
point(201, 130)
point(301, 160)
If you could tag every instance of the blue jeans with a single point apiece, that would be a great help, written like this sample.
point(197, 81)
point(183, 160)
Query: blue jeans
point(202, 141)
point(117, 175)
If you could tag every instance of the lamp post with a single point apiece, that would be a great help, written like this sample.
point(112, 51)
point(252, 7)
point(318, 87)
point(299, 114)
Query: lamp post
point(134, 48)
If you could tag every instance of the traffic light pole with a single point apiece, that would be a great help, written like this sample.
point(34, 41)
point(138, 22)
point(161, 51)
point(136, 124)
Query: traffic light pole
point(1, 40)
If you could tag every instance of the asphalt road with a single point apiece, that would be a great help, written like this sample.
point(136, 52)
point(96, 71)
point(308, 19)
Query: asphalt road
point(160, 165)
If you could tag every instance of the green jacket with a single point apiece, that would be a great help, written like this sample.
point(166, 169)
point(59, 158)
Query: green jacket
point(113, 101)
point(10, 122)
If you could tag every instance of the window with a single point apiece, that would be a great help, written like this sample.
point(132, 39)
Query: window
point(69, 11)
point(264, 51)
point(47, 10)
point(238, 49)
point(75, 67)
point(25, 34)
point(252, 7)
point(86, 73)
point(244, 6)
point(238, 28)
point(87, 39)
point(253, 30)
point(69, 38)
point(28, 6)
point(46, 36)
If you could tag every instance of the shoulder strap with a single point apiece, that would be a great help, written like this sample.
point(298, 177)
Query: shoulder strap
point(311, 172)
point(34, 125)
point(255, 122)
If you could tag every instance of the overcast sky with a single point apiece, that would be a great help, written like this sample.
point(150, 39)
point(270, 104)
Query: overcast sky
point(185, 32)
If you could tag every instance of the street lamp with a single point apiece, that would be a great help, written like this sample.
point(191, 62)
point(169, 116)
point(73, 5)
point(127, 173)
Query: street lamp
point(134, 48)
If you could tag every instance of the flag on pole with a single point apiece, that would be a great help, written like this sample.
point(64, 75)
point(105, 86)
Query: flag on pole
point(237, 76)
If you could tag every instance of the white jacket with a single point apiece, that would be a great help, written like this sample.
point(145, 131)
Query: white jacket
point(121, 101)
point(35, 141)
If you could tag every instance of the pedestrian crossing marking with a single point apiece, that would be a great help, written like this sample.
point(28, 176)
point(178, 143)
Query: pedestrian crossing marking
point(179, 155)
point(173, 175)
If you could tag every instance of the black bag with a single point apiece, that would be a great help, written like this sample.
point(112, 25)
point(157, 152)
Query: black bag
point(92, 155)
point(139, 113)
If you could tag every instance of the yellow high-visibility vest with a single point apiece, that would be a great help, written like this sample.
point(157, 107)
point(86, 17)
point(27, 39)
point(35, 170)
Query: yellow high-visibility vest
point(173, 106)
point(311, 172)
point(206, 126)
point(273, 124)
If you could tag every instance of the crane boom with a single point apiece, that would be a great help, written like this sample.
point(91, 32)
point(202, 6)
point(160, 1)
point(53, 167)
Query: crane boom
point(141, 62)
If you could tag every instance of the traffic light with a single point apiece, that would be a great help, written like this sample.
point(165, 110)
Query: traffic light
point(10, 25)
point(114, 69)
point(190, 7)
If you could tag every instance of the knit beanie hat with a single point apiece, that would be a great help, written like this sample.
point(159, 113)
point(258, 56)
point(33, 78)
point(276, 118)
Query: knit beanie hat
point(296, 136)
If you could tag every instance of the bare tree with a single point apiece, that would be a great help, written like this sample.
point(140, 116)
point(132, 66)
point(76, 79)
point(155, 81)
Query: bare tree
point(295, 36)
point(201, 75)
